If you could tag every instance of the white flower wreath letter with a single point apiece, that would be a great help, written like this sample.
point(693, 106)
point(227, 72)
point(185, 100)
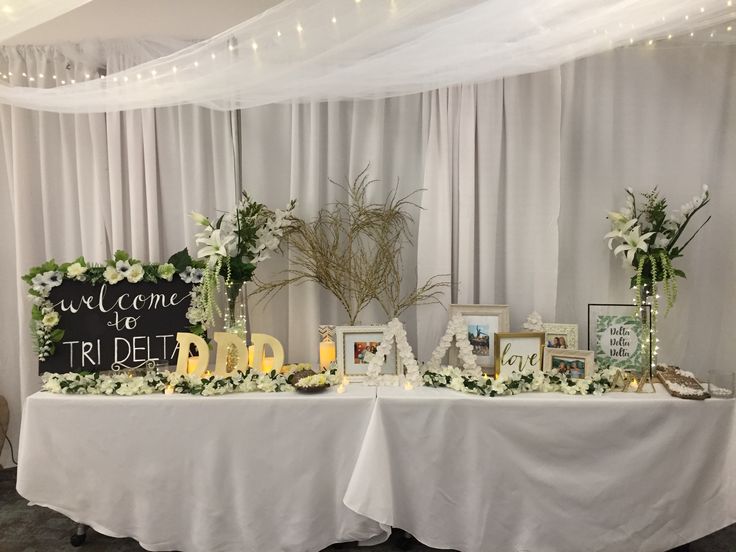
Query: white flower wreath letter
point(457, 328)
point(394, 332)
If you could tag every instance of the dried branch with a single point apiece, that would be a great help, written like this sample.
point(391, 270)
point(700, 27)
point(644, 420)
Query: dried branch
point(353, 249)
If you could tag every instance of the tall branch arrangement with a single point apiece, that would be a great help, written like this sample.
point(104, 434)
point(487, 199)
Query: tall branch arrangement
point(353, 249)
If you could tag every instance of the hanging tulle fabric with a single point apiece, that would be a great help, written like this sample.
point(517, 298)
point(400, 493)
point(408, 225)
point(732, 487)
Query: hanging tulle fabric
point(307, 50)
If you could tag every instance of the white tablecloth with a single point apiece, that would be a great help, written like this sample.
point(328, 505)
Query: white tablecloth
point(257, 472)
point(547, 472)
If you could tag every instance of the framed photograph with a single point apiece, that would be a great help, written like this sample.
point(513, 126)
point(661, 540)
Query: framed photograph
point(561, 336)
point(355, 345)
point(483, 322)
point(570, 362)
point(518, 350)
point(617, 336)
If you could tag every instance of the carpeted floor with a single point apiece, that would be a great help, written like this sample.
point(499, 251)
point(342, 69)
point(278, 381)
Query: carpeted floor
point(36, 529)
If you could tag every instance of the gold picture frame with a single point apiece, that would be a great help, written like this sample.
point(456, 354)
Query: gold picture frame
point(513, 351)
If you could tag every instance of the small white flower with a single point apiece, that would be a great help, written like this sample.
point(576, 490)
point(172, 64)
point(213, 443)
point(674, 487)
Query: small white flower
point(111, 275)
point(135, 274)
point(166, 271)
point(51, 319)
point(123, 267)
point(76, 270)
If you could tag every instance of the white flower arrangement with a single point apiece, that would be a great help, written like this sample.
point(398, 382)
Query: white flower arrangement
point(395, 332)
point(528, 380)
point(457, 327)
point(534, 322)
point(233, 245)
point(318, 380)
point(44, 278)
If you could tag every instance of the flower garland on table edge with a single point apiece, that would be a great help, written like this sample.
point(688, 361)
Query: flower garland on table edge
point(528, 380)
point(153, 382)
point(43, 278)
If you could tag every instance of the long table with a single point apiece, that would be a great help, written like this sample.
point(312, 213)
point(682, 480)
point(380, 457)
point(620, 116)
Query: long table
point(244, 472)
point(285, 472)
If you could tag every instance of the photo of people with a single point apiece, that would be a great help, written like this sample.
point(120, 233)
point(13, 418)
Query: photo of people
point(569, 366)
point(360, 348)
point(556, 341)
point(356, 346)
point(481, 330)
point(480, 339)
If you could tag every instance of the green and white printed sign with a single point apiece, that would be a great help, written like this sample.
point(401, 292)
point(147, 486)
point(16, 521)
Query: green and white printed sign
point(616, 335)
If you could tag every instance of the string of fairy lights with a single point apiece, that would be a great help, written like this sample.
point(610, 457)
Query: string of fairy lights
point(72, 75)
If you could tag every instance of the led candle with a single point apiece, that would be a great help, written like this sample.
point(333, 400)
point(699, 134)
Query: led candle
point(327, 353)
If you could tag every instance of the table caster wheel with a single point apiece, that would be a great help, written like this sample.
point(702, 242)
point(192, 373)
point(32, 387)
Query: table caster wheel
point(78, 540)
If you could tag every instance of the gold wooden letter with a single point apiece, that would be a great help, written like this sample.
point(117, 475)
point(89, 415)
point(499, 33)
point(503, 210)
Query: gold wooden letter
point(185, 340)
point(224, 340)
point(259, 343)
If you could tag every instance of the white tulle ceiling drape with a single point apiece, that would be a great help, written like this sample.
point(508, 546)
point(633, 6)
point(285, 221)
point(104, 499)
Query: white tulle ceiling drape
point(314, 50)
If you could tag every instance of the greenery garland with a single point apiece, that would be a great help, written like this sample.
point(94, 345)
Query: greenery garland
point(528, 380)
point(153, 382)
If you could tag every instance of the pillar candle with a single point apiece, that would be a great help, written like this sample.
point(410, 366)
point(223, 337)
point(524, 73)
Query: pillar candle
point(326, 354)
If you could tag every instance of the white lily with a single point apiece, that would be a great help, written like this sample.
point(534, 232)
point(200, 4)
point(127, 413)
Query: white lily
point(634, 242)
point(215, 245)
point(618, 231)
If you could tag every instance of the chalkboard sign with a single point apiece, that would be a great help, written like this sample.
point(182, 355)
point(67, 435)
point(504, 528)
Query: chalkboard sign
point(120, 325)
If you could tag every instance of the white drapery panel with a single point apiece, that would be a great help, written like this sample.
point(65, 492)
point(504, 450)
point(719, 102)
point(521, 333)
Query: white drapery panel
point(317, 50)
point(75, 185)
point(640, 119)
point(293, 151)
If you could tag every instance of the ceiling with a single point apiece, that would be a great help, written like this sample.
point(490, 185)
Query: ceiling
point(106, 19)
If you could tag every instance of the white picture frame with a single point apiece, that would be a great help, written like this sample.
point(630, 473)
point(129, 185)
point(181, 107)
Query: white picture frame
point(482, 320)
point(567, 361)
point(353, 342)
point(567, 334)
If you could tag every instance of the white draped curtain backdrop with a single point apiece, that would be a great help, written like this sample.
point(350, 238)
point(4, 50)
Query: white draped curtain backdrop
point(518, 175)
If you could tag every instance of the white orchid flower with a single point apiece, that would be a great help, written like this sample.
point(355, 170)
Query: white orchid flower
point(634, 242)
point(661, 241)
